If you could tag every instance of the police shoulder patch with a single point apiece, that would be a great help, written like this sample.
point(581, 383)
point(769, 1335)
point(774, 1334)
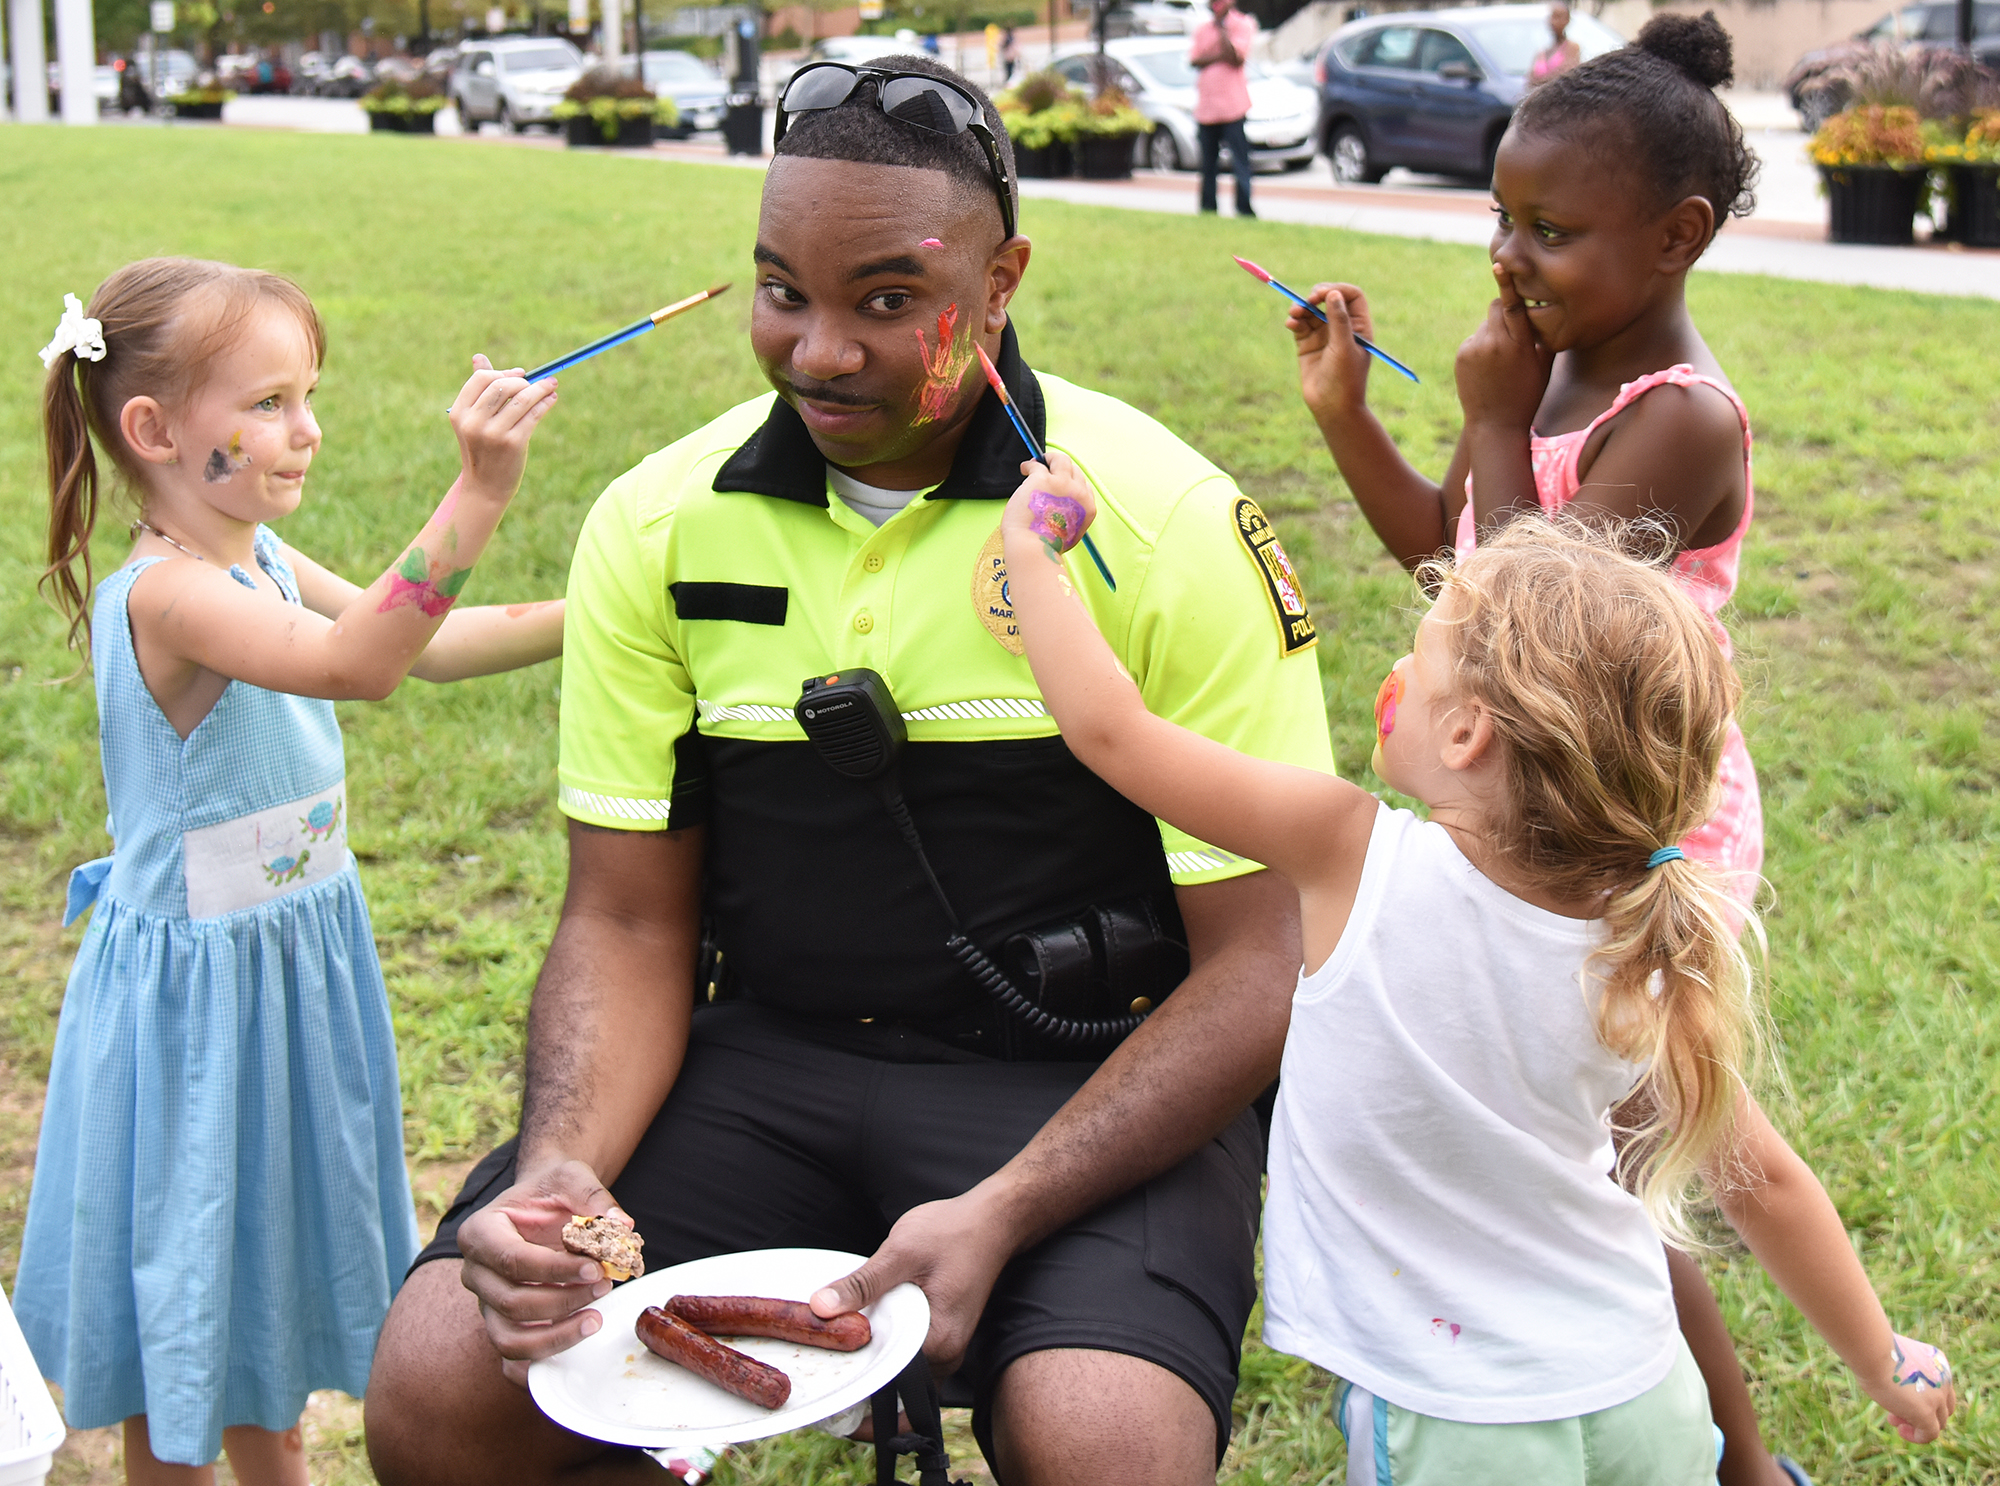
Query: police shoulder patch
point(1281, 579)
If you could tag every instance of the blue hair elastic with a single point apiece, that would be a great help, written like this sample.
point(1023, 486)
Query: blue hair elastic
point(1664, 855)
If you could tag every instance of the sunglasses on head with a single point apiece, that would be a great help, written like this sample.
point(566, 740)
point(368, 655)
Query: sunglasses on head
point(914, 98)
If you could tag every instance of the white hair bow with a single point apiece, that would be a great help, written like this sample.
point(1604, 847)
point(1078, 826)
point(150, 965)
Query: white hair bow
point(75, 332)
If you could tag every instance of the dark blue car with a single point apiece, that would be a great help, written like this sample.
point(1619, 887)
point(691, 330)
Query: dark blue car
point(1432, 90)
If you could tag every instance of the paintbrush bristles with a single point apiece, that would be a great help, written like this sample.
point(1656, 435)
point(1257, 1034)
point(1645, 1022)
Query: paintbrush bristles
point(686, 304)
point(993, 374)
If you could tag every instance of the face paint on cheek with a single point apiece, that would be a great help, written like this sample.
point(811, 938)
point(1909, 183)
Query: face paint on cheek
point(223, 467)
point(1385, 704)
point(931, 242)
point(944, 368)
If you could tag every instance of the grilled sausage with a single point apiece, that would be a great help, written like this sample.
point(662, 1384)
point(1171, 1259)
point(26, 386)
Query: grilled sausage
point(786, 1320)
point(670, 1337)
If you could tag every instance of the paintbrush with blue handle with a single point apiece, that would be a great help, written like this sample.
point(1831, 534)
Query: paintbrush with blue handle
point(1021, 427)
point(1367, 345)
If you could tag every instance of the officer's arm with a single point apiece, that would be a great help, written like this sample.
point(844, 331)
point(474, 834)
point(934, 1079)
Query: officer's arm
point(1169, 1088)
point(606, 1034)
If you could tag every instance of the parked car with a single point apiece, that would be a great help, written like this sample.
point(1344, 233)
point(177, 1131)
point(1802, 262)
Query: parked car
point(513, 80)
point(1155, 74)
point(700, 94)
point(854, 49)
point(1433, 90)
point(1815, 85)
point(348, 77)
point(1150, 18)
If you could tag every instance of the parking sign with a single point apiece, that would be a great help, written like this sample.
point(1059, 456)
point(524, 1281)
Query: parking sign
point(163, 17)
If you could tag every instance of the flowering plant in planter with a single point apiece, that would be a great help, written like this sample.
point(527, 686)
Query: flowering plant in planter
point(614, 103)
point(202, 100)
point(1039, 110)
point(1870, 134)
point(1111, 114)
point(1979, 145)
point(404, 106)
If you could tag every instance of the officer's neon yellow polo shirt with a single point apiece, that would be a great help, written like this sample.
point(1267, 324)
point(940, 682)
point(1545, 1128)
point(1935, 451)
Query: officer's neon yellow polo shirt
point(714, 578)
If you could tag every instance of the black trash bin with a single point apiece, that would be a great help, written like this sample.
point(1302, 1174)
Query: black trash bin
point(743, 125)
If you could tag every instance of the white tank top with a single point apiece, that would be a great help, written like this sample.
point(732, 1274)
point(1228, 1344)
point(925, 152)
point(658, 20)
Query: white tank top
point(1442, 1228)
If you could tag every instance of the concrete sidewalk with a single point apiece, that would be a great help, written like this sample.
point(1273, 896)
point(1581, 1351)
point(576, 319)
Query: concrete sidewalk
point(1788, 250)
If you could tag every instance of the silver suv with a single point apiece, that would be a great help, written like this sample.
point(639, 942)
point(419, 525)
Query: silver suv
point(513, 80)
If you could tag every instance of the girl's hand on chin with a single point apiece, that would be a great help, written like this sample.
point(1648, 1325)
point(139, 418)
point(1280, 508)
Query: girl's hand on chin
point(1503, 367)
point(494, 416)
point(1055, 503)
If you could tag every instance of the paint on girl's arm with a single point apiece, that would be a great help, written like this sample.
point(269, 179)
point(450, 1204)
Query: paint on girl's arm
point(515, 611)
point(223, 467)
point(425, 584)
point(1385, 704)
point(1057, 520)
point(1919, 1365)
point(944, 368)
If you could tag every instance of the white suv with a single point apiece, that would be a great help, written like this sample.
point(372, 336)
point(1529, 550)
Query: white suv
point(513, 80)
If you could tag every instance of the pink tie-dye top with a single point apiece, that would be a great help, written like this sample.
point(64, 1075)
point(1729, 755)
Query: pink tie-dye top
point(1733, 838)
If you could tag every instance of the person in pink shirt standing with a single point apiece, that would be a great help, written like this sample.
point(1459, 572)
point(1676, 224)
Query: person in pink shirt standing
point(1222, 98)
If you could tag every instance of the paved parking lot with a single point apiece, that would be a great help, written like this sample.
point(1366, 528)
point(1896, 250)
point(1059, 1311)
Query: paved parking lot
point(1785, 237)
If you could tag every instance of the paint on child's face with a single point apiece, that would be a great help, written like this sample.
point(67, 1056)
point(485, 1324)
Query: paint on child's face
point(944, 367)
point(1057, 519)
point(1385, 705)
point(222, 468)
point(931, 242)
point(432, 587)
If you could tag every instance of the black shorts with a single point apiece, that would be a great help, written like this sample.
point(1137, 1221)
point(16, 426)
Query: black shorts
point(773, 1139)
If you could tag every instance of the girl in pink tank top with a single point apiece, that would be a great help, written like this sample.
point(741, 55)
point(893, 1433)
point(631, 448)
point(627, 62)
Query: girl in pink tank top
point(1733, 838)
point(1588, 389)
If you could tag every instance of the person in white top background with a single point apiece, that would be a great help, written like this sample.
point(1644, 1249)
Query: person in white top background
point(1498, 1001)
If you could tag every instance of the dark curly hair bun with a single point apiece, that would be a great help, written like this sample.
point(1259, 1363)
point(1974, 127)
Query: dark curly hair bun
point(1696, 44)
point(1652, 106)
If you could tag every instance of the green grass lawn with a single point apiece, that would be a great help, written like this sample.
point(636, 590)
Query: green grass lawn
point(1866, 625)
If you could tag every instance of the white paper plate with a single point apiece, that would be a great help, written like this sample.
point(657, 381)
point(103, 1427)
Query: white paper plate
point(610, 1387)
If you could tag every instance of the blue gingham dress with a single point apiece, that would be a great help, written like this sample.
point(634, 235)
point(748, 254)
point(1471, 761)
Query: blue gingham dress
point(220, 1212)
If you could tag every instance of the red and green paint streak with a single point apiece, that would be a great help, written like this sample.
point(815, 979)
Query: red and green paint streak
point(432, 586)
point(1385, 704)
point(944, 367)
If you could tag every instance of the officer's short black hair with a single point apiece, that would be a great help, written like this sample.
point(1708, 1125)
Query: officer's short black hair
point(857, 129)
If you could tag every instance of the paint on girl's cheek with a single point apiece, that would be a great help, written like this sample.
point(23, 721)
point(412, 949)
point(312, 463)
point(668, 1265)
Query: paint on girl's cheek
point(223, 467)
point(1385, 704)
point(930, 242)
point(944, 368)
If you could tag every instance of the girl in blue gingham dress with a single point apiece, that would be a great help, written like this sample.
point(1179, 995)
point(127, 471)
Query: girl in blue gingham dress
point(220, 1213)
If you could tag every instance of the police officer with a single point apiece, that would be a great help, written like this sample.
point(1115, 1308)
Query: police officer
point(1080, 1217)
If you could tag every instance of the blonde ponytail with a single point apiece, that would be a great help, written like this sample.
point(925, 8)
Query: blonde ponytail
point(72, 494)
point(1612, 700)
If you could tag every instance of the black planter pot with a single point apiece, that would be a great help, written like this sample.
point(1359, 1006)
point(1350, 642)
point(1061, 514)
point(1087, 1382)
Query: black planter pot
point(197, 110)
point(384, 124)
point(1105, 157)
point(1974, 192)
point(420, 123)
point(1872, 203)
point(1052, 161)
point(585, 133)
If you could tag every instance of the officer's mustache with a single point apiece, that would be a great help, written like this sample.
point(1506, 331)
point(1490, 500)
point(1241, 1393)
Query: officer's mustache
point(829, 392)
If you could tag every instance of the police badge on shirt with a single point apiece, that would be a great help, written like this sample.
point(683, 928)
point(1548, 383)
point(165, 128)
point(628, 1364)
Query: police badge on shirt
point(1281, 579)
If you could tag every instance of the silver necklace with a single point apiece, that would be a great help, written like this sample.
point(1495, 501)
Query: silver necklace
point(139, 521)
